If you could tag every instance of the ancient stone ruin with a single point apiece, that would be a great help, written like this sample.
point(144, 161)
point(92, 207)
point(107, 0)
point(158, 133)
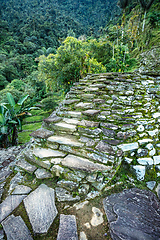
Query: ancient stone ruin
point(105, 121)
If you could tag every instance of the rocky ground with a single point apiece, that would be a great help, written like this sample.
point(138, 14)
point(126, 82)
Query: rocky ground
point(103, 138)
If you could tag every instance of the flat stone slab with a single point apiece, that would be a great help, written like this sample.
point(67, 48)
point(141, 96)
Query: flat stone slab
point(65, 126)
point(91, 112)
point(67, 228)
point(16, 229)
point(42, 174)
point(145, 161)
point(52, 119)
point(71, 121)
point(86, 123)
point(133, 214)
point(65, 141)
point(26, 166)
point(84, 105)
point(74, 114)
point(21, 189)
point(41, 133)
point(46, 153)
point(4, 174)
point(83, 164)
point(128, 146)
point(41, 209)
point(9, 204)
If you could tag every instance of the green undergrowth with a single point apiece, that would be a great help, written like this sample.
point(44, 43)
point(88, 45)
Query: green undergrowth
point(31, 124)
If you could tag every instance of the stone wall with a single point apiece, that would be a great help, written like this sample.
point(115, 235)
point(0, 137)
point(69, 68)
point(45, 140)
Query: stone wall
point(104, 120)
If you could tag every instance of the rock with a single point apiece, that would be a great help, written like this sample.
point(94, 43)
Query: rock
point(156, 160)
point(21, 189)
point(104, 147)
point(41, 209)
point(69, 185)
point(97, 217)
point(26, 166)
point(67, 228)
point(158, 190)
point(52, 119)
point(74, 114)
point(65, 127)
point(65, 140)
point(151, 184)
point(91, 112)
point(1, 189)
point(129, 146)
point(9, 204)
point(80, 205)
point(46, 153)
point(145, 161)
point(108, 132)
point(41, 133)
point(5, 172)
point(42, 174)
point(15, 181)
point(140, 128)
point(83, 189)
point(68, 102)
point(15, 228)
point(82, 236)
point(64, 196)
point(1, 234)
point(142, 152)
point(71, 121)
point(146, 140)
point(92, 195)
point(84, 105)
point(86, 123)
point(133, 214)
point(140, 172)
point(82, 164)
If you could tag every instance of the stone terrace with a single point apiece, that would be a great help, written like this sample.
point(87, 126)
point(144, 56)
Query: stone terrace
point(104, 121)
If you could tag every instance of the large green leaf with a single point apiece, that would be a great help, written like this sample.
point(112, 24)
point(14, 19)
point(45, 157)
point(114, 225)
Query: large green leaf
point(11, 99)
point(4, 129)
point(2, 119)
point(12, 121)
point(21, 101)
point(17, 107)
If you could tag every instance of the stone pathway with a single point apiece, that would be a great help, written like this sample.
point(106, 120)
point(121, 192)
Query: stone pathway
point(105, 121)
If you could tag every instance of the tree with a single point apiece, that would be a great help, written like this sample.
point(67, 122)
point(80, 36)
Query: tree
point(11, 116)
point(71, 62)
point(146, 6)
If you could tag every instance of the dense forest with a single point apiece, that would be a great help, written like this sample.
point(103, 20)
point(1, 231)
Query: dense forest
point(47, 45)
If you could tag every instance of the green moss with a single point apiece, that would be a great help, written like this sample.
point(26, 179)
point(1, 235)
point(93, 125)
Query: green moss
point(32, 127)
point(33, 119)
point(23, 137)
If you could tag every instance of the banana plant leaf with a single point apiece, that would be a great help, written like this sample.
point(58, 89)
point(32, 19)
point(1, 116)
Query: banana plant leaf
point(2, 119)
point(21, 101)
point(4, 130)
point(11, 99)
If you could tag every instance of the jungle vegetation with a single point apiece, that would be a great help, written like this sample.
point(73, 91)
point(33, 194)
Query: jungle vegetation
point(47, 45)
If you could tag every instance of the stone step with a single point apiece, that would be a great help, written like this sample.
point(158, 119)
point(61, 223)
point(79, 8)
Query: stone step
point(67, 228)
point(83, 164)
point(65, 141)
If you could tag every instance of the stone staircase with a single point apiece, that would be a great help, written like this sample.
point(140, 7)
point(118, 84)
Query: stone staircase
point(105, 120)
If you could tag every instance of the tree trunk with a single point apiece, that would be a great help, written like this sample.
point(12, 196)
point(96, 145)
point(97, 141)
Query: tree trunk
point(144, 20)
point(15, 136)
